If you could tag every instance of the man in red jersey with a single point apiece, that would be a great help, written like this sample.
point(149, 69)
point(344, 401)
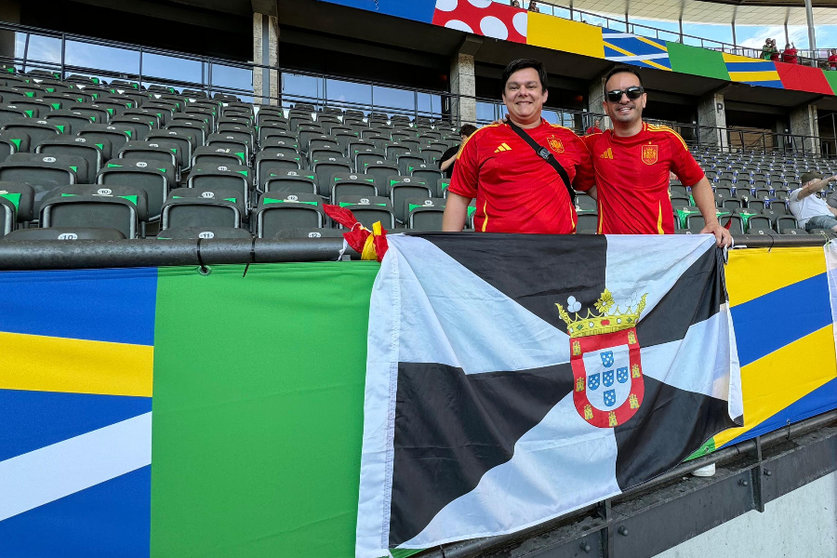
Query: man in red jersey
point(517, 190)
point(632, 164)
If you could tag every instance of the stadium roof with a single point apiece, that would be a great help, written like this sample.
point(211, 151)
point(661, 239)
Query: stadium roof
point(743, 12)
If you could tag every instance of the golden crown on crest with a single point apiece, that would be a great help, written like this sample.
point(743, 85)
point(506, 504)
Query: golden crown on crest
point(603, 321)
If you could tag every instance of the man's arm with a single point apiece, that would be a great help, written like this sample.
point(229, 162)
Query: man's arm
point(813, 186)
point(705, 200)
point(456, 212)
point(444, 165)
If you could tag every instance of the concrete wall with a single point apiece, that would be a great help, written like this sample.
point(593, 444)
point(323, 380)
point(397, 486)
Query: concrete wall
point(801, 523)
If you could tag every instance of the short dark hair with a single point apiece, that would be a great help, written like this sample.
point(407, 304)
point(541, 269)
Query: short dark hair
point(621, 70)
point(521, 64)
point(467, 130)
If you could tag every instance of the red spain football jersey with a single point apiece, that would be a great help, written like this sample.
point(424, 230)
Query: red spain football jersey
point(632, 178)
point(515, 189)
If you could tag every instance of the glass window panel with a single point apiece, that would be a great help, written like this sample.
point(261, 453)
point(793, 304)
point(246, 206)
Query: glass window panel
point(170, 67)
point(428, 103)
point(298, 85)
point(40, 48)
point(232, 77)
point(347, 92)
point(390, 97)
point(105, 58)
point(486, 112)
point(551, 116)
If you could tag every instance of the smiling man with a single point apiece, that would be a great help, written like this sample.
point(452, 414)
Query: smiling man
point(517, 189)
point(632, 164)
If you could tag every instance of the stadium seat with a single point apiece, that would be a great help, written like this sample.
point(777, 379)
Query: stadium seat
point(147, 151)
point(280, 143)
point(400, 191)
point(759, 224)
point(239, 141)
point(786, 223)
point(425, 213)
point(325, 169)
point(211, 207)
point(111, 138)
point(291, 211)
point(311, 232)
point(95, 206)
point(586, 204)
point(42, 172)
point(290, 181)
point(236, 177)
point(177, 143)
point(22, 196)
point(75, 146)
point(266, 163)
point(36, 130)
point(352, 184)
point(205, 233)
point(369, 209)
point(428, 173)
point(8, 215)
point(205, 156)
point(64, 233)
point(381, 170)
point(146, 175)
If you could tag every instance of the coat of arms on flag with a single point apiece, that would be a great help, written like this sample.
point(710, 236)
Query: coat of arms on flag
point(606, 361)
point(487, 411)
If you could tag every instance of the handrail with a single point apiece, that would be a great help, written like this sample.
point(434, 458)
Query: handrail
point(75, 254)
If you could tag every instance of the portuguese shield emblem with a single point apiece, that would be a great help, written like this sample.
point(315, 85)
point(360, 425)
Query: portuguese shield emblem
point(608, 385)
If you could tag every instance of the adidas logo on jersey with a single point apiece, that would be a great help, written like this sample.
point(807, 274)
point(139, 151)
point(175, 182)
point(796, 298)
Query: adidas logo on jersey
point(606, 154)
point(503, 147)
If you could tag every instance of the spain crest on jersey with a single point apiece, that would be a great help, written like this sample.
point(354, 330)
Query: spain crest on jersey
point(650, 154)
point(555, 144)
point(605, 356)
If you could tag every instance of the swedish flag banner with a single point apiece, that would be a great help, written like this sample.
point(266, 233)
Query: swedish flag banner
point(515, 378)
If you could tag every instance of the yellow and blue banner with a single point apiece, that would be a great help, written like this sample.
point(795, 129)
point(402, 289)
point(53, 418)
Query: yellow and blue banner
point(628, 48)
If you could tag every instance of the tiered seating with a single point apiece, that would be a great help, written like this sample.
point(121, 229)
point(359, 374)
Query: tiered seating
point(188, 162)
point(143, 162)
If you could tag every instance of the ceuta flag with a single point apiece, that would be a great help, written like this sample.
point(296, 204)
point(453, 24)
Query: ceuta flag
point(515, 378)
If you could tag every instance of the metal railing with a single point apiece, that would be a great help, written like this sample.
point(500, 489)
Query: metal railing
point(40, 49)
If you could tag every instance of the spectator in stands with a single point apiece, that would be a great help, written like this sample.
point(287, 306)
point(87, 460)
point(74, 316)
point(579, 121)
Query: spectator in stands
point(595, 128)
point(768, 49)
point(632, 163)
point(809, 209)
point(832, 59)
point(516, 189)
point(533, 6)
point(515, 3)
point(789, 54)
point(448, 159)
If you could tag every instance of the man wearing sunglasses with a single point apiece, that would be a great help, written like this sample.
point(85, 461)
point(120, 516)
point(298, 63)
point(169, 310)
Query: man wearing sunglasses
point(517, 188)
point(632, 163)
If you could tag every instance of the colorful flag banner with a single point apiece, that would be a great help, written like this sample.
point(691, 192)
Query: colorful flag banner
point(831, 265)
point(541, 375)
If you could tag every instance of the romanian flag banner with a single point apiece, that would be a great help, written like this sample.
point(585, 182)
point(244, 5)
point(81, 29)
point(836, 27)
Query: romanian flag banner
point(515, 378)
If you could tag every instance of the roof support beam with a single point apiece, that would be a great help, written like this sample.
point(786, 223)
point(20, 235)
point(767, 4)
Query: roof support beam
point(812, 34)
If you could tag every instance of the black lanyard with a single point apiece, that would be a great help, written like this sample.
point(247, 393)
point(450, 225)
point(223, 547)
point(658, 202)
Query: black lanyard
point(546, 155)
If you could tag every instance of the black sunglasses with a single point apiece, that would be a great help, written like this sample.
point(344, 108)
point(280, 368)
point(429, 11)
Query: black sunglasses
point(633, 92)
